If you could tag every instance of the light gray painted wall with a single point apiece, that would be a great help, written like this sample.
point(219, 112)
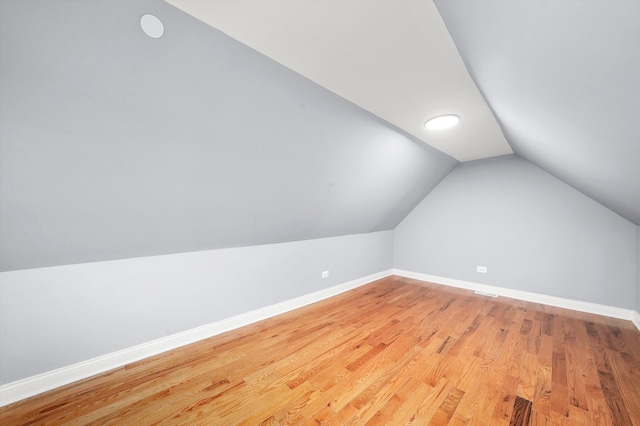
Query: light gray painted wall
point(532, 231)
point(638, 269)
point(114, 145)
point(53, 317)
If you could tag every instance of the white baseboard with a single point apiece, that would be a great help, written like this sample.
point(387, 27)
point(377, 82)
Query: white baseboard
point(636, 319)
point(576, 305)
point(34, 385)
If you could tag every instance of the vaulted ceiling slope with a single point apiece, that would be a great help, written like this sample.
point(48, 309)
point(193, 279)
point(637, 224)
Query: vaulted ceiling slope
point(115, 145)
point(392, 58)
point(563, 79)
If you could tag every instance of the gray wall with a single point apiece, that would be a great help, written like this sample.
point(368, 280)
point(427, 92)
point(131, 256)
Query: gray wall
point(53, 317)
point(114, 145)
point(532, 231)
point(638, 270)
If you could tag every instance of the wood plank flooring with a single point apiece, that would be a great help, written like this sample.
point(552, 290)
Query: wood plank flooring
point(396, 351)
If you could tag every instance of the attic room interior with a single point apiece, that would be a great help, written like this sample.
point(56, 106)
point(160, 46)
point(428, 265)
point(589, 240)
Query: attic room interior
point(238, 212)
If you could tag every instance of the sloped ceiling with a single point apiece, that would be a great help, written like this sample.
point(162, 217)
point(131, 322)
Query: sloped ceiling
point(392, 58)
point(107, 136)
point(563, 78)
point(115, 145)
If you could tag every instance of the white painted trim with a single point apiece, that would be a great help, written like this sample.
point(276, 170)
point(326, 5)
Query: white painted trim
point(576, 305)
point(21, 389)
point(636, 320)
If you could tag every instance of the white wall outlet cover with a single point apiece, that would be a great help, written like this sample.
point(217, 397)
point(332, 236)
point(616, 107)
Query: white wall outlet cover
point(325, 274)
point(482, 269)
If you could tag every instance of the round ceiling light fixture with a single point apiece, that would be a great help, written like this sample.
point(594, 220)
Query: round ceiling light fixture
point(151, 25)
point(442, 122)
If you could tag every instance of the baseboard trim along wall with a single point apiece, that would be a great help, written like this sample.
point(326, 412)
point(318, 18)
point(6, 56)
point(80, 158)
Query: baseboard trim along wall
point(576, 305)
point(21, 389)
point(636, 319)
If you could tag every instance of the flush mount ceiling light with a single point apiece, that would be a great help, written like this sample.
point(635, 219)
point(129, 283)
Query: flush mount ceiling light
point(442, 122)
point(151, 25)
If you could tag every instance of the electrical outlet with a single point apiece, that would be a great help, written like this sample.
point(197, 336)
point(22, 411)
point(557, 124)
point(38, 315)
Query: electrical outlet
point(325, 274)
point(482, 269)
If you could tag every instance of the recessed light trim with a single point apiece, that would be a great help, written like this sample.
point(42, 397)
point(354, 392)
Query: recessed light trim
point(442, 122)
point(151, 25)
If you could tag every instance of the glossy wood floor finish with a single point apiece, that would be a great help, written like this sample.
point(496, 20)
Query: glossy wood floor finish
point(393, 352)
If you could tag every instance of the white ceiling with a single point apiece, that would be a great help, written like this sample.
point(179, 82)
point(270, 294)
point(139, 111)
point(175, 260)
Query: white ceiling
point(392, 58)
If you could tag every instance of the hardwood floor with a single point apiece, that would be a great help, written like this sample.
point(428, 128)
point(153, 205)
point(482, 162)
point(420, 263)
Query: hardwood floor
point(396, 351)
